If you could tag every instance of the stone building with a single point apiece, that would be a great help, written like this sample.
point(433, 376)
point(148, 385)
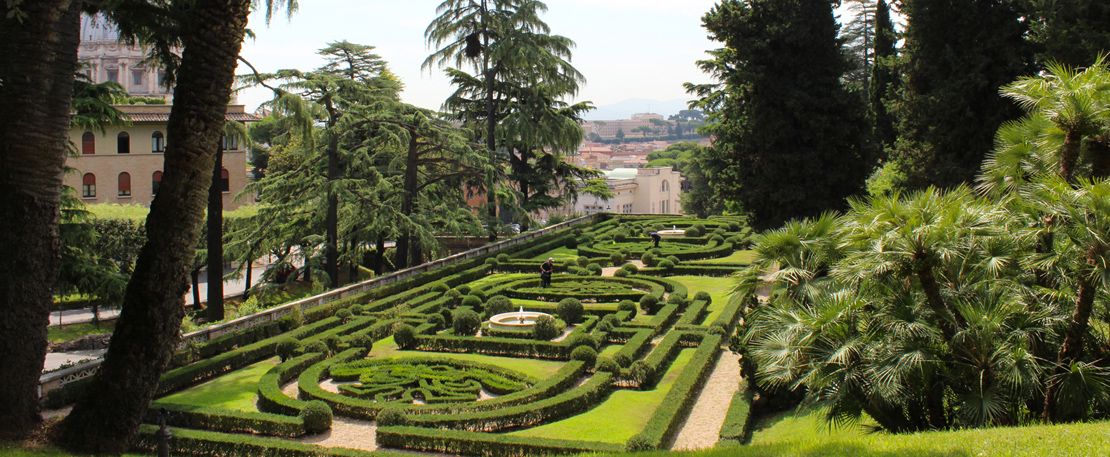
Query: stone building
point(124, 164)
point(637, 191)
point(106, 59)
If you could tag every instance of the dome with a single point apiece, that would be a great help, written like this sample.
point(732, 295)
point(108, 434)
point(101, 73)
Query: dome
point(98, 28)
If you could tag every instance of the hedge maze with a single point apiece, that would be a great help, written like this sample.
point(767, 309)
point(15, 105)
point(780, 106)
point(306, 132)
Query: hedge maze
point(418, 358)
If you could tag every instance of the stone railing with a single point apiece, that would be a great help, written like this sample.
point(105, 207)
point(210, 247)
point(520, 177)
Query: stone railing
point(57, 379)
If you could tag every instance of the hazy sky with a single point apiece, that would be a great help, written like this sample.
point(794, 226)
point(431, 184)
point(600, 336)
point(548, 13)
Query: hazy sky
point(625, 48)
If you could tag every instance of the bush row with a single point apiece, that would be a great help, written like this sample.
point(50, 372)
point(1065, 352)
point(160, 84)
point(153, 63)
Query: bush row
point(691, 270)
point(271, 399)
point(483, 444)
point(226, 420)
point(199, 443)
point(694, 313)
point(738, 419)
point(680, 399)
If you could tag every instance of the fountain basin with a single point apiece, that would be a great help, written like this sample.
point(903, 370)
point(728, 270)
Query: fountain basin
point(671, 233)
point(513, 321)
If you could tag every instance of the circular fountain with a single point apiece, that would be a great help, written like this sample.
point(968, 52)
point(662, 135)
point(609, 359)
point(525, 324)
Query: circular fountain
point(673, 232)
point(519, 320)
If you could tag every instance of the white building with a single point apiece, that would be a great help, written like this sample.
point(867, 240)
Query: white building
point(107, 59)
point(637, 190)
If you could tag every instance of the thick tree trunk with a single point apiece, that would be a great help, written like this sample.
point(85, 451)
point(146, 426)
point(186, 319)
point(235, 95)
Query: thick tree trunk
point(38, 58)
point(936, 302)
point(491, 124)
point(107, 418)
point(215, 310)
point(331, 257)
point(194, 277)
point(406, 245)
point(1069, 154)
point(1072, 349)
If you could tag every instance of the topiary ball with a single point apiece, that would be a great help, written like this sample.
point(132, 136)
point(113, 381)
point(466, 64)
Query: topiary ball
point(717, 239)
point(734, 226)
point(317, 346)
point(545, 328)
point(466, 322)
point(316, 416)
point(677, 299)
point(361, 341)
point(344, 315)
point(604, 327)
point(666, 265)
point(622, 359)
point(673, 259)
point(583, 261)
point(481, 294)
point(404, 335)
point(287, 347)
point(497, 305)
point(437, 320)
point(333, 342)
point(608, 366)
point(594, 269)
point(703, 296)
point(648, 302)
point(570, 243)
point(584, 353)
point(391, 415)
point(446, 313)
point(621, 274)
point(439, 287)
point(612, 320)
point(616, 258)
point(463, 289)
point(356, 310)
point(570, 310)
point(692, 232)
point(631, 268)
point(472, 301)
point(626, 305)
point(503, 258)
point(648, 259)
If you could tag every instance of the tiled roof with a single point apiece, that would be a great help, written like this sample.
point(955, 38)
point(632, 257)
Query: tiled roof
point(165, 117)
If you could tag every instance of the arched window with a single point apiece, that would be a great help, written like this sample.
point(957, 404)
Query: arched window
point(225, 180)
point(155, 181)
point(124, 184)
point(664, 187)
point(88, 186)
point(230, 143)
point(157, 142)
point(123, 143)
point(88, 143)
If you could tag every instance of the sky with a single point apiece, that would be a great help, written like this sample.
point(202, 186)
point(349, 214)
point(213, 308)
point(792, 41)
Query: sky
point(625, 48)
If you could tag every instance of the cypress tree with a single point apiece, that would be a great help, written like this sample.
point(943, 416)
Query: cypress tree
point(884, 78)
point(1071, 32)
point(793, 138)
point(956, 56)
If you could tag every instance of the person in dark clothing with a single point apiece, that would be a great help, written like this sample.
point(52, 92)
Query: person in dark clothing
point(546, 269)
point(655, 237)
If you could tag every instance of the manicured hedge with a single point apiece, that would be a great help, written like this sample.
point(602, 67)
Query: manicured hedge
point(199, 443)
point(271, 399)
point(484, 444)
point(226, 420)
point(681, 398)
point(737, 428)
point(692, 270)
point(694, 313)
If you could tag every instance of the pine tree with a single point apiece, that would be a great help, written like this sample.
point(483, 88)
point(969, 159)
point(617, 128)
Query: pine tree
point(792, 136)
point(1070, 32)
point(956, 56)
point(884, 79)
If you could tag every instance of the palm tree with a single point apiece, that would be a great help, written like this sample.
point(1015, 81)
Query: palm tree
point(38, 49)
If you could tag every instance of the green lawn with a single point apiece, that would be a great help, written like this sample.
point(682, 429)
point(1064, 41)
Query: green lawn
point(717, 287)
point(741, 257)
point(72, 332)
point(539, 369)
point(500, 277)
point(633, 407)
point(560, 254)
point(12, 450)
point(236, 390)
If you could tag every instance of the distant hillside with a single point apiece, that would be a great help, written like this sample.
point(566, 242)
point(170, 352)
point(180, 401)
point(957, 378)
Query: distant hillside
point(625, 109)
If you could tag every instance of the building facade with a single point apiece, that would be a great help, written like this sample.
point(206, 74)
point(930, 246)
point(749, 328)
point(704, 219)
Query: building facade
point(124, 164)
point(106, 59)
point(637, 191)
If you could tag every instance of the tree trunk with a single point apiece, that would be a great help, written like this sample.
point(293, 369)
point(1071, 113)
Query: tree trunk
point(107, 417)
point(331, 257)
point(215, 310)
point(406, 245)
point(38, 58)
point(491, 124)
point(1069, 154)
point(379, 256)
point(353, 267)
point(194, 277)
point(1072, 349)
point(1100, 159)
point(936, 302)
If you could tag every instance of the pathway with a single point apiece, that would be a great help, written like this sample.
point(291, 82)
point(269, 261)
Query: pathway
point(55, 360)
point(703, 426)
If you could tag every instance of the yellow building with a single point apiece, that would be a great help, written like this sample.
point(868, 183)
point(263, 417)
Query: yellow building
point(124, 165)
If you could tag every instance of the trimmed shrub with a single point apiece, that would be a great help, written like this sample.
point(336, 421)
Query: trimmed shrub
point(492, 264)
point(648, 259)
point(577, 271)
point(446, 313)
point(356, 310)
point(472, 301)
point(466, 322)
point(608, 366)
point(626, 305)
point(317, 346)
point(666, 265)
point(700, 227)
point(616, 259)
point(626, 252)
point(582, 339)
point(441, 287)
point(294, 319)
point(717, 328)
point(673, 259)
point(639, 372)
point(594, 269)
point(333, 343)
point(703, 295)
point(648, 303)
point(287, 347)
point(361, 340)
point(545, 328)
point(344, 315)
point(569, 310)
point(503, 258)
point(584, 353)
point(583, 261)
point(497, 305)
point(391, 415)
point(464, 289)
point(438, 321)
point(621, 274)
point(630, 268)
point(677, 299)
point(453, 297)
point(692, 232)
point(622, 359)
point(571, 243)
point(316, 416)
point(620, 237)
point(612, 320)
point(717, 239)
point(639, 443)
point(404, 335)
point(604, 327)
point(734, 226)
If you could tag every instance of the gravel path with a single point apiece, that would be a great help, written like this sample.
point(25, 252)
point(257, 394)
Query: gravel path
point(703, 426)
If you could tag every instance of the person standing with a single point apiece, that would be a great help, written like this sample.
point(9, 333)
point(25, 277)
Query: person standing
point(546, 269)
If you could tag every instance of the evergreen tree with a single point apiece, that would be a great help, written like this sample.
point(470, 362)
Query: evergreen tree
point(956, 56)
point(791, 136)
point(884, 79)
point(1070, 32)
